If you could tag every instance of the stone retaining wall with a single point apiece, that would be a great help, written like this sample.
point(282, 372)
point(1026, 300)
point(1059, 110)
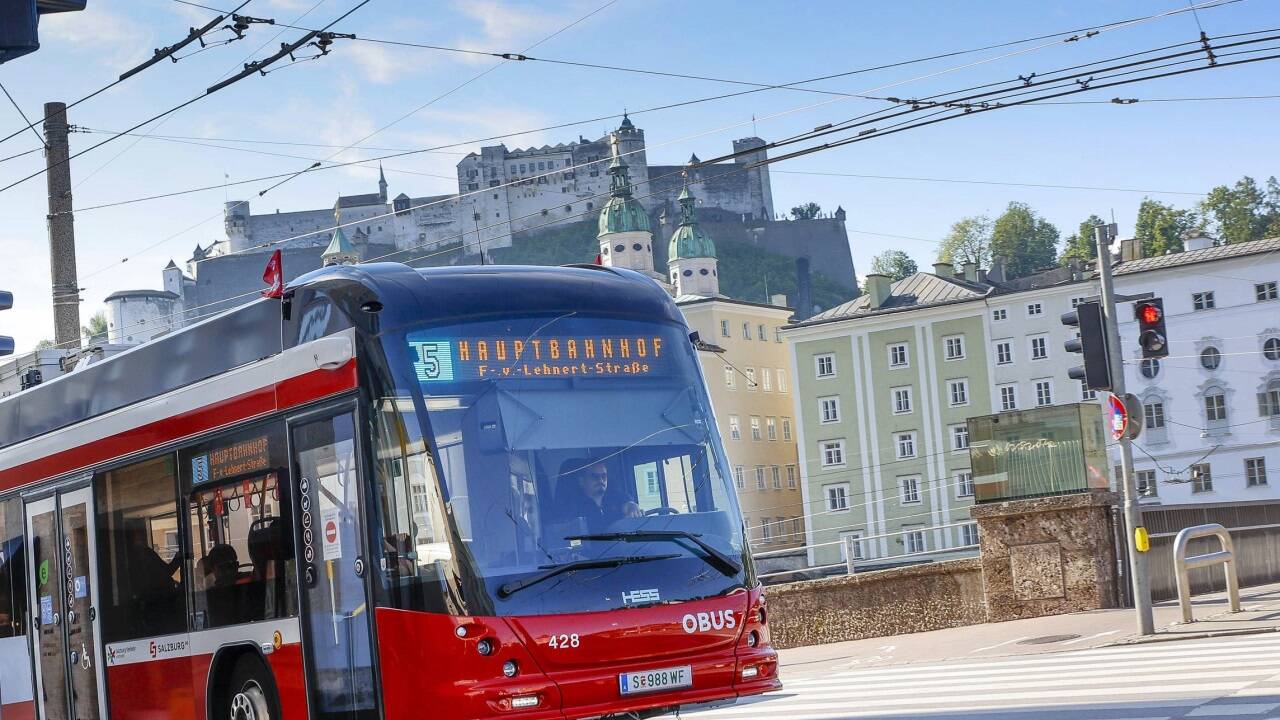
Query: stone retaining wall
point(874, 604)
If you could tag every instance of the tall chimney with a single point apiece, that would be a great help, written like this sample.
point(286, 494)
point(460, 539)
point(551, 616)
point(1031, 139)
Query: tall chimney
point(944, 269)
point(877, 289)
point(971, 271)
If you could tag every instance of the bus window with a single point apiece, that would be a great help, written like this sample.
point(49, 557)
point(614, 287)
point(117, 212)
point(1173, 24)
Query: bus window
point(240, 529)
point(13, 578)
point(143, 580)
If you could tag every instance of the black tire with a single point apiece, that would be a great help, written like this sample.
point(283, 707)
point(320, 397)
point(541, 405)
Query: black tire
point(251, 693)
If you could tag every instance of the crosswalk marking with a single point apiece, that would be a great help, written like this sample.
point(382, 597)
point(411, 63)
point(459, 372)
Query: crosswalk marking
point(1227, 678)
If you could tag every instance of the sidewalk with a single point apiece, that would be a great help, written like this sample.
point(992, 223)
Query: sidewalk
point(1261, 613)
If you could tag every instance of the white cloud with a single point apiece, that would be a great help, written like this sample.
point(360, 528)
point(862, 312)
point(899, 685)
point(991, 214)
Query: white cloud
point(375, 61)
point(504, 27)
point(116, 37)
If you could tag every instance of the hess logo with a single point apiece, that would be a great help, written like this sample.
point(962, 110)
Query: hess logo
point(702, 622)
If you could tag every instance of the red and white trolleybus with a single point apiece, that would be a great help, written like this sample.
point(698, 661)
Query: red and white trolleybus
point(391, 493)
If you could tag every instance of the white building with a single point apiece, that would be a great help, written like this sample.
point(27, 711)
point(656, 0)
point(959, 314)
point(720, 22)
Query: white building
point(136, 316)
point(1213, 405)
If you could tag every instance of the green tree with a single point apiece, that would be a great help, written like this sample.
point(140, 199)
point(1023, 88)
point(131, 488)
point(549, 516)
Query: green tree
point(1081, 245)
point(1159, 227)
point(96, 330)
point(1239, 212)
point(968, 241)
point(44, 344)
point(807, 211)
point(1272, 206)
point(894, 263)
point(1025, 241)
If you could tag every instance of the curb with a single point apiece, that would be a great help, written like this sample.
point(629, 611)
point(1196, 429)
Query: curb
point(1170, 637)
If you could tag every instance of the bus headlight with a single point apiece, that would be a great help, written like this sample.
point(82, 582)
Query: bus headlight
point(485, 647)
point(510, 668)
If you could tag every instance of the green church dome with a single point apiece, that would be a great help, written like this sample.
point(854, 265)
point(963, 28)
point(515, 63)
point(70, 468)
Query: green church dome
point(622, 213)
point(689, 241)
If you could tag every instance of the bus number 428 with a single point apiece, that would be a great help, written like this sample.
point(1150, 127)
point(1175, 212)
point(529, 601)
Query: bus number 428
point(560, 642)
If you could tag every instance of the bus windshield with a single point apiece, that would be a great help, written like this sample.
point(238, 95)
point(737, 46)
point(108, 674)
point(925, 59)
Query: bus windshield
point(571, 465)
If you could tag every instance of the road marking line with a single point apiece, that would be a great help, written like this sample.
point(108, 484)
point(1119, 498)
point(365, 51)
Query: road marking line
point(1229, 709)
point(1098, 676)
point(1090, 637)
point(1006, 642)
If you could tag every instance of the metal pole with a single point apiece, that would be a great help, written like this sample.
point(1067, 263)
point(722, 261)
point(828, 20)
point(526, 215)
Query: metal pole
point(62, 232)
point(1138, 575)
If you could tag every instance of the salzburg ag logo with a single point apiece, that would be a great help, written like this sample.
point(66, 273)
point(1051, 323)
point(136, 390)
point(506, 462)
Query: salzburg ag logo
point(702, 622)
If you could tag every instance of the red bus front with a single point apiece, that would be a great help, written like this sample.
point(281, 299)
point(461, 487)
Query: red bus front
point(560, 537)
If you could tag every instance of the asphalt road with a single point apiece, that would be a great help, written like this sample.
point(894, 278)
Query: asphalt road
point(1217, 678)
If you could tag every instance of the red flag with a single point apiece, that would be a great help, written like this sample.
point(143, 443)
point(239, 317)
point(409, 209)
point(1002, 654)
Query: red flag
point(273, 275)
point(599, 260)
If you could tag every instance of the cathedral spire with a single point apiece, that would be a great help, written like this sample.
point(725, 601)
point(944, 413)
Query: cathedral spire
point(382, 184)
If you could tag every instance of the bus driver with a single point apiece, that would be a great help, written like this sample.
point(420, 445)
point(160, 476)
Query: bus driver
point(586, 497)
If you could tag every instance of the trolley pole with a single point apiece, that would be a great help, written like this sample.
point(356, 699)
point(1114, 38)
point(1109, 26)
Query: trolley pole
point(1138, 576)
point(62, 231)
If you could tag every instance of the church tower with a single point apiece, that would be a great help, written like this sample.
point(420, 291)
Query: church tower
point(340, 250)
point(626, 239)
point(382, 185)
point(691, 256)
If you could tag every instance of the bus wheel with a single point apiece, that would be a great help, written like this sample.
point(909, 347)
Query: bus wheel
point(251, 692)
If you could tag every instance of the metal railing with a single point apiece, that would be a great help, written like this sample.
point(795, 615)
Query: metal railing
point(1182, 564)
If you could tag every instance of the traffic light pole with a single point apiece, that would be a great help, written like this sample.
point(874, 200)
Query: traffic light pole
point(1140, 579)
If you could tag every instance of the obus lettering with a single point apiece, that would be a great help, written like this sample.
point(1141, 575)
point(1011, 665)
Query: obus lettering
point(703, 622)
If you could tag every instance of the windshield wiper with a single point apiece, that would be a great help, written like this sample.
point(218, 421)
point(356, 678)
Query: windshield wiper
point(514, 587)
point(714, 557)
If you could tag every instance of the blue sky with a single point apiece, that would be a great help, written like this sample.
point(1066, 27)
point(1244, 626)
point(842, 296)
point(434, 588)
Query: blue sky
point(362, 87)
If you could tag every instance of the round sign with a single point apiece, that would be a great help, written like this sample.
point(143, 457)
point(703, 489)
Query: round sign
point(306, 536)
point(1119, 416)
point(331, 532)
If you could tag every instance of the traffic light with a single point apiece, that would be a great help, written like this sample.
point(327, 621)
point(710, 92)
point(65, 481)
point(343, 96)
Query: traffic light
point(19, 33)
point(1151, 334)
point(1092, 343)
point(6, 343)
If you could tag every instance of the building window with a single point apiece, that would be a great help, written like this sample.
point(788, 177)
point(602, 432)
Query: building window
point(829, 409)
point(959, 437)
point(766, 533)
point(746, 331)
point(837, 497)
point(1075, 302)
point(776, 473)
point(953, 347)
point(1255, 470)
point(958, 392)
point(1039, 348)
point(771, 428)
point(969, 535)
point(1215, 407)
point(898, 355)
point(1150, 367)
point(905, 445)
point(724, 328)
point(1265, 291)
point(832, 453)
point(759, 477)
point(1086, 393)
point(791, 477)
point(1210, 358)
point(730, 378)
point(1269, 400)
point(999, 314)
point(910, 489)
point(766, 376)
point(1201, 478)
point(735, 430)
point(851, 546)
point(751, 378)
point(760, 334)
point(738, 479)
point(825, 366)
point(914, 542)
point(786, 429)
point(1146, 480)
point(777, 334)
point(1202, 300)
point(901, 400)
point(1153, 415)
point(1044, 393)
point(755, 427)
point(782, 380)
point(1034, 309)
point(964, 484)
point(1008, 397)
point(1271, 349)
point(1004, 352)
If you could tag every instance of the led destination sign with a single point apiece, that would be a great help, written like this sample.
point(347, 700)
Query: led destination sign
point(227, 461)
point(460, 360)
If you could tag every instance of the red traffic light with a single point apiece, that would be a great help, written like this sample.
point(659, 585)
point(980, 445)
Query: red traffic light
point(1149, 314)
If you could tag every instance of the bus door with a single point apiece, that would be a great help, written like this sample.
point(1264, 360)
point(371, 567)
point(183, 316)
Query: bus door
point(337, 634)
point(63, 578)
